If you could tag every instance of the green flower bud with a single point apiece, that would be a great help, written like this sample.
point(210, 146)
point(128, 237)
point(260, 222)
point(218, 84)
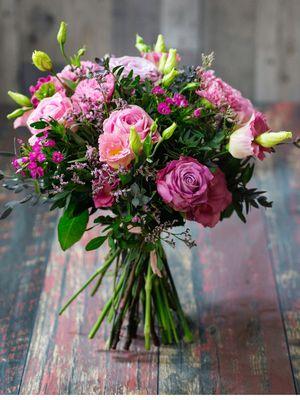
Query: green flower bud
point(191, 86)
point(81, 51)
point(42, 61)
point(141, 45)
point(160, 46)
point(169, 78)
point(62, 34)
point(17, 113)
point(168, 132)
point(153, 127)
point(171, 61)
point(20, 99)
point(135, 142)
point(271, 139)
point(162, 62)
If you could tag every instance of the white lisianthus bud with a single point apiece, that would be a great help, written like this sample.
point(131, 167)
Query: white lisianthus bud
point(168, 132)
point(20, 99)
point(135, 142)
point(171, 61)
point(169, 78)
point(271, 139)
point(62, 34)
point(162, 62)
point(41, 60)
point(160, 46)
point(141, 45)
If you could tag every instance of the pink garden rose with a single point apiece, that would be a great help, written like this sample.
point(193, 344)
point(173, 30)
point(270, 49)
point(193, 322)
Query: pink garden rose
point(57, 107)
point(221, 93)
point(190, 187)
point(72, 73)
point(139, 65)
point(120, 121)
point(218, 199)
point(242, 141)
point(90, 91)
point(114, 149)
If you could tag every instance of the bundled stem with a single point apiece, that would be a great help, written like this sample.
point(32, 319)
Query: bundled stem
point(138, 286)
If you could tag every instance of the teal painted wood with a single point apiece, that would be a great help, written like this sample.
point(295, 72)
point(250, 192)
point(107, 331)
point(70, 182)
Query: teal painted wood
point(280, 178)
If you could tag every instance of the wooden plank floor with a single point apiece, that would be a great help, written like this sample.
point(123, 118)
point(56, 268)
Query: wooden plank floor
point(240, 288)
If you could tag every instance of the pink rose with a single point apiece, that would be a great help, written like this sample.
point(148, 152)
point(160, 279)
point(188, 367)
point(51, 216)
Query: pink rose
point(183, 183)
point(57, 107)
point(140, 66)
point(242, 141)
point(114, 149)
point(104, 197)
point(189, 187)
point(120, 122)
point(73, 73)
point(221, 94)
point(218, 199)
point(91, 91)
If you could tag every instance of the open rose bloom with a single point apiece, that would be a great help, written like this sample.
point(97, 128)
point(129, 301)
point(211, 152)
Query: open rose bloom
point(130, 147)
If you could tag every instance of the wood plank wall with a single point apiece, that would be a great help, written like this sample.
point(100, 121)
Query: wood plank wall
point(257, 42)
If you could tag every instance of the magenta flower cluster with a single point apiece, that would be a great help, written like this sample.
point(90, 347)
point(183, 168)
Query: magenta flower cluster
point(165, 107)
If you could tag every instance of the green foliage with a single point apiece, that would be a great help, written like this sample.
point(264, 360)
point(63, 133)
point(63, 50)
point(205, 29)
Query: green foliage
point(71, 227)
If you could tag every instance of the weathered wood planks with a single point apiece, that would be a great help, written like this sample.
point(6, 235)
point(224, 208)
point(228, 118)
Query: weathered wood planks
point(239, 287)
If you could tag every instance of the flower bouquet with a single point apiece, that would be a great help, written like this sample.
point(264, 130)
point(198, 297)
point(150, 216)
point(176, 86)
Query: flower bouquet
point(130, 147)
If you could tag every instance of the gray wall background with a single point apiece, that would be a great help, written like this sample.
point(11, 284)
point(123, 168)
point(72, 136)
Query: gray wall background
point(256, 42)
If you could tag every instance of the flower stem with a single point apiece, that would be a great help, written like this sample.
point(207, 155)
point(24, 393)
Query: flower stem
point(148, 288)
point(96, 273)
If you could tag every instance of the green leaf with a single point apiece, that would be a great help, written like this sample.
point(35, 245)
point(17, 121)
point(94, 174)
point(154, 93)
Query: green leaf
point(71, 228)
point(39, 124)
point(95, 243)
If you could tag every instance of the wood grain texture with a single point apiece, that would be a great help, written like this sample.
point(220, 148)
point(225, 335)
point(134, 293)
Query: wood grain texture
point(240, 347)
point(24, 243)
point(61, 359)
point(280, 178)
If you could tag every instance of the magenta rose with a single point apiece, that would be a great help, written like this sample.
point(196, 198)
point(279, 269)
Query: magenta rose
point(221, 94)
point(57, 107)
point(91, 91)
point(120, 122)
point(183, 183)
point(218, 199)
point(140, 66)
